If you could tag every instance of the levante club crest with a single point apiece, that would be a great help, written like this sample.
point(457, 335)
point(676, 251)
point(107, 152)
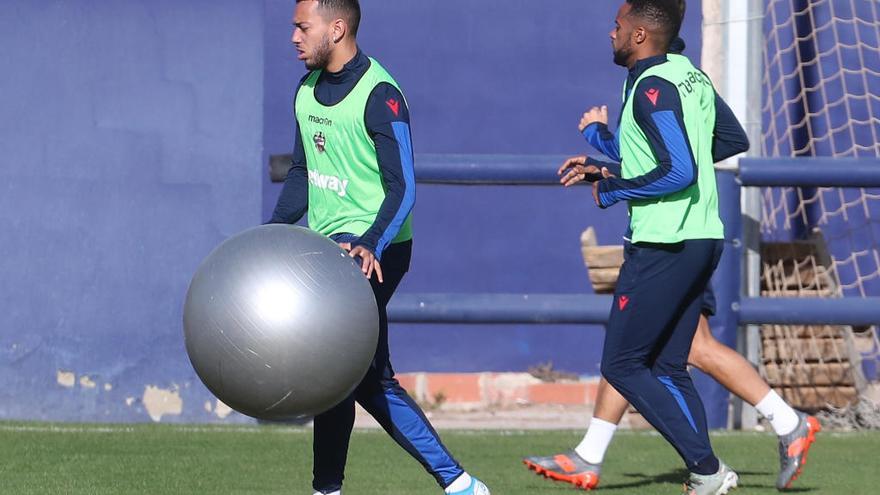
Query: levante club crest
point(320, 141)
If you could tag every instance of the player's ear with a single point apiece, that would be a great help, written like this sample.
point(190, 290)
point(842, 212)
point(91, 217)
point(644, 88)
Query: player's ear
point(639, 35)
point(338, 30)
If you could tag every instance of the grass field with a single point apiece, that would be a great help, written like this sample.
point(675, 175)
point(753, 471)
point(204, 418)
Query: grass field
point(158, 459)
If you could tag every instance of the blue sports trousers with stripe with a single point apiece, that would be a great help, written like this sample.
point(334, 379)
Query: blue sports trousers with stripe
point(655, 313)
point(381, 395)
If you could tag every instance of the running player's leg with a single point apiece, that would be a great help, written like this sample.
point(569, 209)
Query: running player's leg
point(796, 430)
point(381, 395)
point(611, 406)
point(607, 413)
point(738, 375)
point(582, 466)
point(332, 429)
point(670, 369)
point(656, 309)
point(405, 422)
point(726, 366)
point(589, 454)
point(708, 474)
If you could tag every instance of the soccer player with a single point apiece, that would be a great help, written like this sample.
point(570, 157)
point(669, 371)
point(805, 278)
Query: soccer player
point(676, 235)
point(353, 172)
point(796, 430)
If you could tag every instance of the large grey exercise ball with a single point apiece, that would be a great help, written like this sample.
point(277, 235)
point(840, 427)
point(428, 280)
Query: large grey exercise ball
point(280, 322)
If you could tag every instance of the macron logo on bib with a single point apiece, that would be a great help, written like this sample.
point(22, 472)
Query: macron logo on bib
point(328, 182)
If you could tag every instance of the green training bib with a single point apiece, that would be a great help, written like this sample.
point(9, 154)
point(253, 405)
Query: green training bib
point(345, 183)
point(693, 212)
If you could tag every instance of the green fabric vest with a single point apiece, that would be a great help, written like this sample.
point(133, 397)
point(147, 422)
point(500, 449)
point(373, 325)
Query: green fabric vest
point(345, 183)
point(693, 212)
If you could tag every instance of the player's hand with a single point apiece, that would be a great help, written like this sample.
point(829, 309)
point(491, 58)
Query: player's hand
point(595, 114)
point(369, 262)
point(606, 174)
point(574, 170)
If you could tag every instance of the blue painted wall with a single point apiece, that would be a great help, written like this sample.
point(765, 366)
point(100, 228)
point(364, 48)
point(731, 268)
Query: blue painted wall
point(130, 144)
point(133, 140)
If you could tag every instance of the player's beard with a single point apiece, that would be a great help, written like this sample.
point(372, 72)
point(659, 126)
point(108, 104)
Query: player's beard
point(622, 55)
point(321, 58)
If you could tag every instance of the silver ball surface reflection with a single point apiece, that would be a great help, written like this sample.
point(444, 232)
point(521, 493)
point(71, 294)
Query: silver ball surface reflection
point(280, 323)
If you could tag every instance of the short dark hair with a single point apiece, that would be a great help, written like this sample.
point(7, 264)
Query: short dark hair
point(350, 10)
point(664, 15)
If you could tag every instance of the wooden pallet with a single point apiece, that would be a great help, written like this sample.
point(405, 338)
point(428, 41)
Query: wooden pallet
point(777, 350)
point(811, 366)
point(815, 398)
point(602, 262)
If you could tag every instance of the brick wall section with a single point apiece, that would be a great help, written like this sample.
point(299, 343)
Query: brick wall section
point(495, 389)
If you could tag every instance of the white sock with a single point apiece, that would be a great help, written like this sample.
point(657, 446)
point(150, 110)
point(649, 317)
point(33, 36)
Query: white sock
point(599, 434)
point(461, 483)
point(782, 417)
point(337, 492)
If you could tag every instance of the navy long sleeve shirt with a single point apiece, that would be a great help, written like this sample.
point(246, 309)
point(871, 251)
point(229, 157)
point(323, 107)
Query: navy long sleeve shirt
point(728, 139)
point(662, 121)
point(387, 122)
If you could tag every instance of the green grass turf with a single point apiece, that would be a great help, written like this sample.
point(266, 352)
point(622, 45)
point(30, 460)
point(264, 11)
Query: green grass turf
point(159, 459)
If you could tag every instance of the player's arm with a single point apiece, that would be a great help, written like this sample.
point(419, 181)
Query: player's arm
point(293, 202)
point(387, 120)
point(658, 112)
point(729, 138)
point(594, 127)
point(294, 199)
